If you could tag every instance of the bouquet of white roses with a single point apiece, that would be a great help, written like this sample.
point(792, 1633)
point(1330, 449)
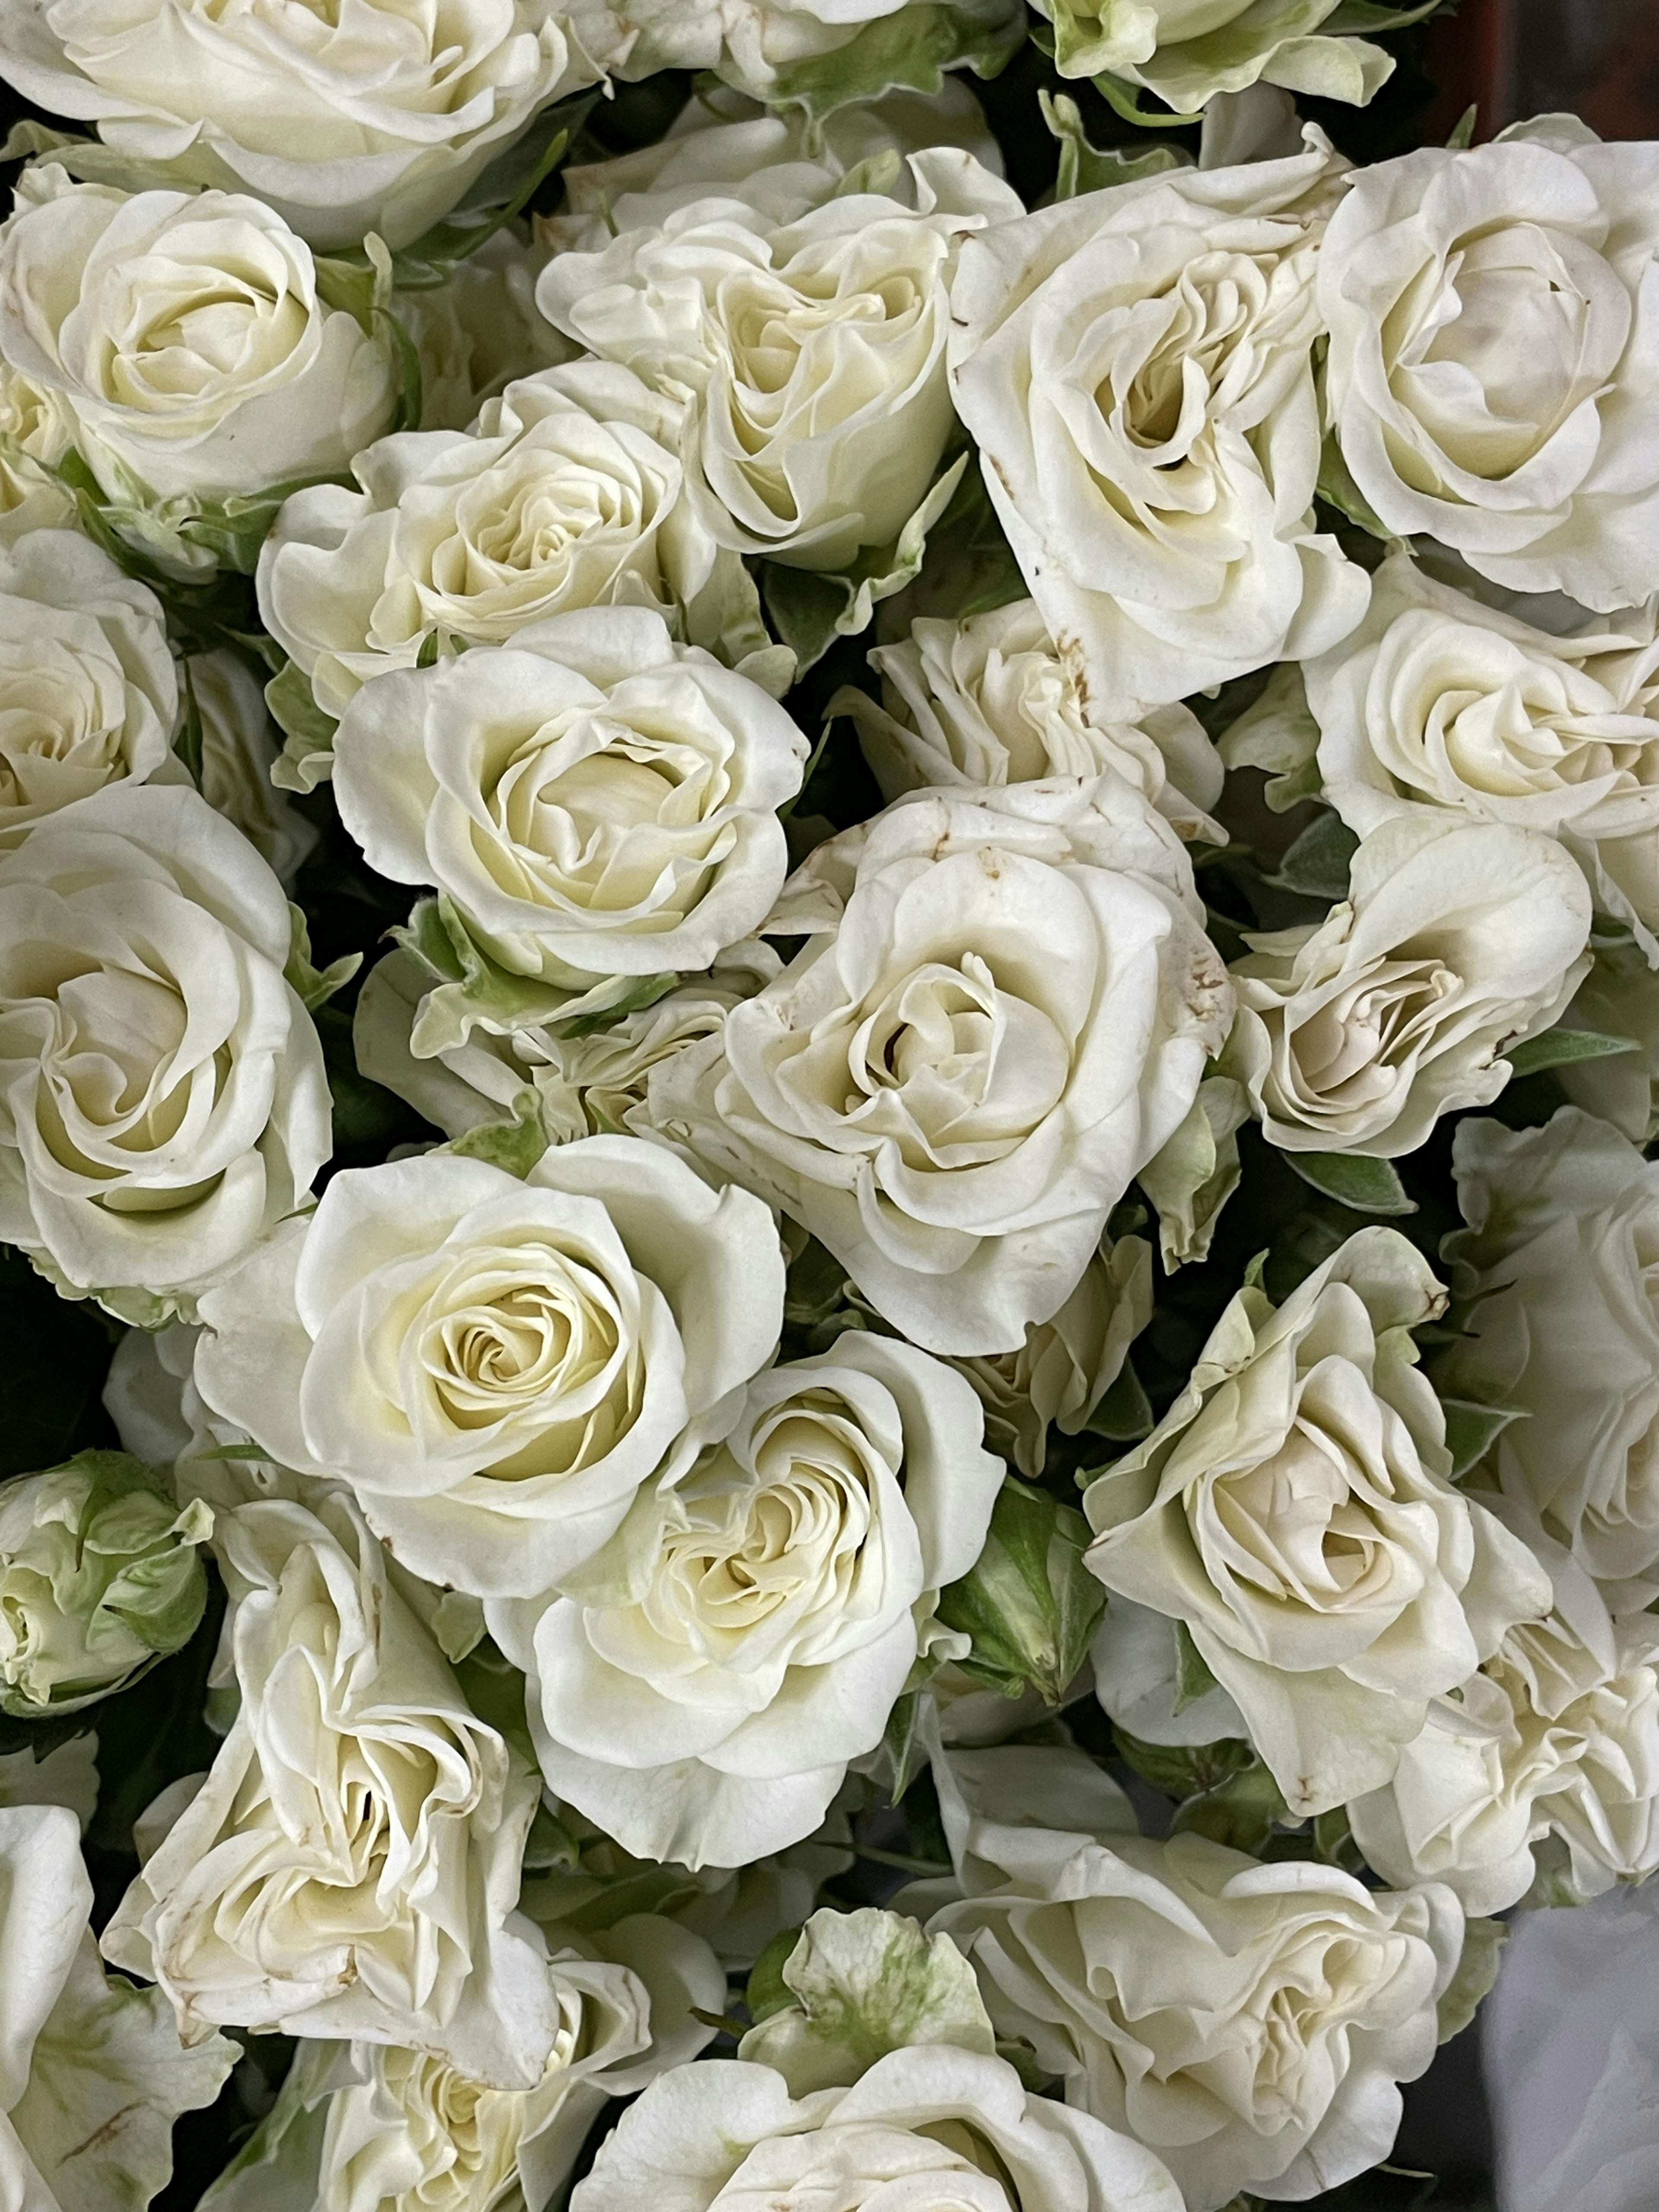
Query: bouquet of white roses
point(829, 1010)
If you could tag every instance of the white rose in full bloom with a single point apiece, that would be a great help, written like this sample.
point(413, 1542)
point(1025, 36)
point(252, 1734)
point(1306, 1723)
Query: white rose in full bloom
point(1295, 1508)
point(1456, 942)
point(89, 696)
point(163, 1102)
point(815, 346)
point(589, 1085)
point(595, 801)
point(350, 1866)
point(1494, 372)
point(927, 2126)
point(185, 334)
point(480, 329)
point(371, 120)
point(1249, 2023)
point(92, 2072)
point(1186, 51)
point(700, 1688)
point(1069, 1362)
point(366, 2127)
point(1137, 366)
point(577, 1333)
point(990, 701)
point(1558, 1735)
point(238, 748)
point(1438, 700)
point(1006, 1009)
point(1562, 1252)
point(568, 492)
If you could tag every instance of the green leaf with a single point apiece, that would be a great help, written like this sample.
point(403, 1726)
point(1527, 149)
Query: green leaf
point(1124, 1415)
point(909, 50)
point(313, 987)
point(1354, 1179)
point(1028, 1603)
point(1242, 1811)
point(1472, 1429)
point(1463, 135)
point(1193, 1680)
point(901, 1740)
point(1121, 98)
point(1316, 862)
point(1560, 1048)
point(1086, 168)
point(500, 196)
point(1183, 1770)
point(766, 1990)
point(515, 1146)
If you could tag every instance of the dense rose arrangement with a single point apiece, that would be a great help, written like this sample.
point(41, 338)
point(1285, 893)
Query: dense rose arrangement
point(828, 1025)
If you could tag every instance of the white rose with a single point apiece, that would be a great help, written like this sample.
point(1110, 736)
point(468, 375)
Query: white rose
point(1006, 1009)
point(586, 1085)
point(576, 1333)
point(36, 431)
point(162, 1098)
point(1456, 942)
point(350, 1865)
point(480, 329)
point(186, 336)
point(1067, 1363)
point(781, 163)
point(376, 120)
point(1295, 1508)
point(815, 348)
point(1137, 366)
point(367, 2128)
point(1564, 1226)
point(1249, 2023)
point(927, 2126)
point(990, 701)
point(568, 492)
point(88, 695)
point(595, 801)
point(92, 2072)
point(700, 1687)
point(239, 747)
point(1557, 1736)
point(1438, 700)
point(1494, 372)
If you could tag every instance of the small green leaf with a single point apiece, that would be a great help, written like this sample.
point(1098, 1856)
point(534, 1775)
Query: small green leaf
point(901, 1740)
point(1354, 1179)
point(1472, 1429)
point(1462, 136)
point(1124, 1415)
point(1193, 1680)
point(1121, 98)
point(1316, 862)
point(909, 50)
point(313, 987)
point(1477, 1969)
point(515, 1146)
point(1242, 1811)
point(1182, 1770)
point(1029, 1604)
point(766, 1990)
point(1560, 1048)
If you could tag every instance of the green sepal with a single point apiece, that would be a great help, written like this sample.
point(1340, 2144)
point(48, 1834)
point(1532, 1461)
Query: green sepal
point(1183, 1770)
point(1472, 1429)
point(1193, 1680)
point(766, 1991)
point(1561, 1048)
point(1354, 1179)
point(313, 987)
point(1243, 1811)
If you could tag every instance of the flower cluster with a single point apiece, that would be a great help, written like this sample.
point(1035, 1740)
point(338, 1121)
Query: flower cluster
point(741, 880)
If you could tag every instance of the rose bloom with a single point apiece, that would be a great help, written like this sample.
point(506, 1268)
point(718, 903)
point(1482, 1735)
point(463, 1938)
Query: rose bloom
point(163, 1103)
point(928, 2125)
point(351, 1864)
point(1186, 51)
point(1295, 1508)
point(700, 1687)
point(1456, 942)
point(88, 695)
point(815, 347)
point(93, 2075)
point(1137, 367)
point(592, 1084)
point(1437, 700)
point(494, 1366)
point(1018, 982)
point(186, 336)
point(568, 492)
point(1494, 372)
point(1249, 2023)
point(371, 120)
point(1561, 1253)
point(596, 801)
point(1556, 1737)
point(990, 701)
